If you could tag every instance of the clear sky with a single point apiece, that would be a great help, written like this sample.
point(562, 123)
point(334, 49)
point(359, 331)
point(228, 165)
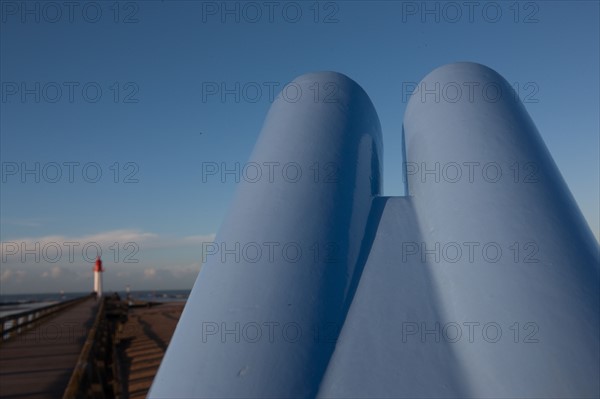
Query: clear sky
point(115, 108)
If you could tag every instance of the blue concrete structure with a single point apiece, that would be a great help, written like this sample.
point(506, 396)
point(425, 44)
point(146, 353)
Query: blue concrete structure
point(482, 282)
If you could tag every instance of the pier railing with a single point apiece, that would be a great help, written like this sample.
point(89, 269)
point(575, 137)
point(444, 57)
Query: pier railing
point(16, 323)
point(88, 379)
point(95, 375)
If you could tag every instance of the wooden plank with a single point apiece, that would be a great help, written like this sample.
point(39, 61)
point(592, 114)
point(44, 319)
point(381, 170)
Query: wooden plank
point(143, 342)
point(39, 362)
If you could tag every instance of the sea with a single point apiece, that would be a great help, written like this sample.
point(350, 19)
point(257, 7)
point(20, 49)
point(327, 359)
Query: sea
point(16, 303)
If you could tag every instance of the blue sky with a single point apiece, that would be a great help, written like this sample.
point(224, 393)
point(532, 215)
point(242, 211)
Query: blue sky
point(146, 93)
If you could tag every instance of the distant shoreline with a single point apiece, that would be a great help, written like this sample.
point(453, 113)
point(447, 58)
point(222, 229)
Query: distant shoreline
point(146, 295)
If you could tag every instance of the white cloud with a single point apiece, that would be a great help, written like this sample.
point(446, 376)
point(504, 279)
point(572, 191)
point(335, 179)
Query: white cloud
point(11, 275)
point(199, 239)
point(186, 271)
point(5, 275)
point(149, 273)
point(64, 274)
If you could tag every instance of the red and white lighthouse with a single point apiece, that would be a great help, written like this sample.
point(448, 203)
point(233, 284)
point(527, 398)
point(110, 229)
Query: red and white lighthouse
point(98, 277)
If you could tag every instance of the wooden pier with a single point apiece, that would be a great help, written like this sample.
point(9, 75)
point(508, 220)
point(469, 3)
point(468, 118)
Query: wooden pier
point(39, 361)
point(142, 344)
point(84, 348)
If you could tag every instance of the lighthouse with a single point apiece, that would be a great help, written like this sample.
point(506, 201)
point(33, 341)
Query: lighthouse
point(98, 277)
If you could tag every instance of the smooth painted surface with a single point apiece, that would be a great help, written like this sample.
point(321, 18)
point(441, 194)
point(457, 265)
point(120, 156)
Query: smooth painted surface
point(380, 352)
point(482, 283)
point(253, 325)
point(535, 260)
